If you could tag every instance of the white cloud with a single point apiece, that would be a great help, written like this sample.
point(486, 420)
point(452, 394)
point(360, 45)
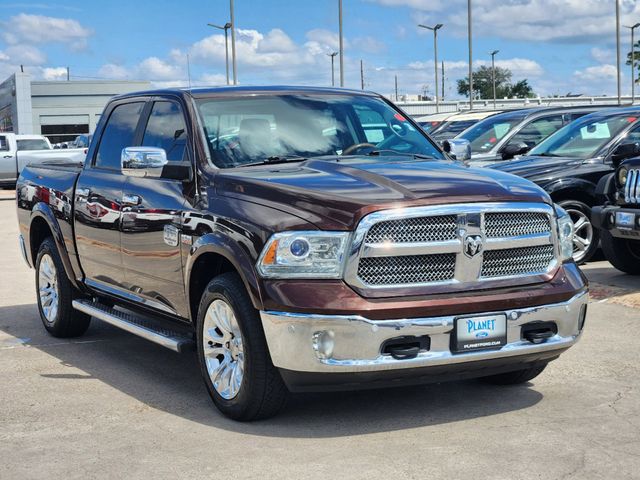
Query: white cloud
point(520, 67)
point(603, 55)
point(596, 73)
point(39, 29)
point(368, 44)
point(424, 5)
point(25, 54)
point(54, 73)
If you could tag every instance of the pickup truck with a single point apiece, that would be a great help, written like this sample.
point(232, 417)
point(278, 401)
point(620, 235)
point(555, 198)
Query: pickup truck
point(618, 218)
point(16, 151)
point(298, 247)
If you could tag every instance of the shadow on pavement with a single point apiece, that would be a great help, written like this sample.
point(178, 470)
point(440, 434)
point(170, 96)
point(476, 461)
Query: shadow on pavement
point(171, 383)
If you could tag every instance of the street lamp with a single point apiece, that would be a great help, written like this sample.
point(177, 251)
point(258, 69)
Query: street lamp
point(435, 54)
point(226, 28)
point(493, 74)
point(633, 62)
point(470, 55)
point(333, 74)
point(618, 51)
point(341, 49)
point(233, 42)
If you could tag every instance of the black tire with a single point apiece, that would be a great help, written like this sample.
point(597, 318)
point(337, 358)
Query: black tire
point(516, 377)
point(262, 393)
point(573, 207)
point(622, 253)
point(66, 322)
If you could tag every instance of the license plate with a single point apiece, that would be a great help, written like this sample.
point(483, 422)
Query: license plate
point(480, 333)
point(625, 220)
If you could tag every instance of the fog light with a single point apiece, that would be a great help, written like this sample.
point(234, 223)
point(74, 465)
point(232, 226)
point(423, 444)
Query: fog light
point(323, 343)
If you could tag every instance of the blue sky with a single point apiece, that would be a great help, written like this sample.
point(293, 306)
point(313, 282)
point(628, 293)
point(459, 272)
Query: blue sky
point(559, 45)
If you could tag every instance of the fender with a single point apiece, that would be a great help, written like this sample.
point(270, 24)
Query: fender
point(606, 188)
point(44, 211)
point(231, 250)
point(583, 186)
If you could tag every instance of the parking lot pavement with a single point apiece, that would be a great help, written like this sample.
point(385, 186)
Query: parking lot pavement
point(111, 405)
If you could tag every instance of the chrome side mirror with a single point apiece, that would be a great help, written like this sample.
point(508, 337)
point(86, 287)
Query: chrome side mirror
point(143, 161)
point(458, 148)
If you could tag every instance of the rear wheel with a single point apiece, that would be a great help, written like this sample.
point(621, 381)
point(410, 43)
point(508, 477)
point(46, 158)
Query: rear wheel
point(586, 237)
point(233, 353)
point(622, 253)
point(516, 377)
point(55, 295)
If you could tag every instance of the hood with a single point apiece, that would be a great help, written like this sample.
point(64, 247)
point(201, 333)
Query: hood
point(337, 194)
point(536, 168)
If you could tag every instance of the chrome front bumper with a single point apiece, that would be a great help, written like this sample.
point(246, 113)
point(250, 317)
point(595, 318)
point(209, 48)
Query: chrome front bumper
point(358, 340)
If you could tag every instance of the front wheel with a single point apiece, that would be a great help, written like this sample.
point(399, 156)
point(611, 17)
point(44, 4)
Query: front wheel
point(516, 377)
point(55, 295)
point(622, 253)
point(586, 238)
point(233, 354)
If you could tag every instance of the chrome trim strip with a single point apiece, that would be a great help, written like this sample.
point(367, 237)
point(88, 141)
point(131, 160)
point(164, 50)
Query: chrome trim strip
point(132, 297)
point(23, 250)
point(467, 274)
point(358, 340)
point(140, 331)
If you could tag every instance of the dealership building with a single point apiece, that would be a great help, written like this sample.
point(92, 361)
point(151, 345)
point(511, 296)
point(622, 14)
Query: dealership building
point(60, 110)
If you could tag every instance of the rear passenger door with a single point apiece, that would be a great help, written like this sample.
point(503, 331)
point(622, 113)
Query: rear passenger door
point(98, 199)
point(151, 215)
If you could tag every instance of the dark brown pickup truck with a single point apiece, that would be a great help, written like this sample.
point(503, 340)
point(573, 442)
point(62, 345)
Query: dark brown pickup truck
point(303, 239)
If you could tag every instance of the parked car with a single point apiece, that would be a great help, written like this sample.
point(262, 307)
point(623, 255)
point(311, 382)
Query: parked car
point(430, 122)
point(570, 163)
point(456, 124)
point(299, 255)
point(618, 219)
point(508, 134)
point(16, 151)
point(82, 141)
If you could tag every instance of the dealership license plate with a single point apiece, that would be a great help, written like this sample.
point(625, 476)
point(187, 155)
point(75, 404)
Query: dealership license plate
point(480, 333)
point(625, 220)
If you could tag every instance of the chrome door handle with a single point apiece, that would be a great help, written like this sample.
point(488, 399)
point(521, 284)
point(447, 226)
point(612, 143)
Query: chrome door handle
point(8, 156)
point(83, 192)
point(130, 200)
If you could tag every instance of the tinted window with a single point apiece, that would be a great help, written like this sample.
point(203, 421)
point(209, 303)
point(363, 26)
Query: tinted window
point(4, 145)
point(32, 144)
point(166, 129)
point(537, 130)
point(118, 134)
point(484, 135)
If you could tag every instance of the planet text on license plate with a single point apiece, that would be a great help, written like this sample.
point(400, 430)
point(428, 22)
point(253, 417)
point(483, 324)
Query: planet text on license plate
point(480, 333)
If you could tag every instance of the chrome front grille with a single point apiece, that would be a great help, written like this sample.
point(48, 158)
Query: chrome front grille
point(452, 247)
point(408, 269)
point(513, 224)
point(632, 187)
point(414, 230)
point(516, 261)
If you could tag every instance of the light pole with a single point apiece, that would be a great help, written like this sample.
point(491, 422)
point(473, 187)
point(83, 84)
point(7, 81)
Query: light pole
point(226, 28)
point(435, 55)
point(618, 51)
point(493, 75)
point(633, 62)
point(470, 55)
point(233, 42)
point(333, 73)
point(341, 46)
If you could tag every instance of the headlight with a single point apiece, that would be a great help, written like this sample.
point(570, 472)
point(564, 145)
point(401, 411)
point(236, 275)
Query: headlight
point(303, 255)
point(622, 176)
point(565, 233)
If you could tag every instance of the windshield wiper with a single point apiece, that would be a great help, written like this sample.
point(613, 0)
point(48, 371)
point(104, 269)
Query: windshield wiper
point(377, 153)
point(273, 160)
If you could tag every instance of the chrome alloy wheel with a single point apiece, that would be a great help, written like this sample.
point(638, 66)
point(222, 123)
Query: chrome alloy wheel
point(48, 287)
point(223, 349)
point(583, 233)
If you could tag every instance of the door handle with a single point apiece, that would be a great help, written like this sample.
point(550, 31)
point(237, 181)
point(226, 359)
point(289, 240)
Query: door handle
point(83, 192)
point(8, 156)
point(130, 200)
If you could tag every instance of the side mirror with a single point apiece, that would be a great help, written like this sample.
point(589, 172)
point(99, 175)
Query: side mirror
point(143, 161)
point(458, 148)
point(513, 149)
point(623, 151)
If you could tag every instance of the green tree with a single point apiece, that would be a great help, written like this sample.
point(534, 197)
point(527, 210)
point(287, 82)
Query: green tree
point(636, 54)
point(483, 84)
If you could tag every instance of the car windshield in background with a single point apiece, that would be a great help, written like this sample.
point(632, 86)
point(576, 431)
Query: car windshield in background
point(451, 129)
point(32, 144)
point(256, 129)
point(583, 138)
point(484, 135)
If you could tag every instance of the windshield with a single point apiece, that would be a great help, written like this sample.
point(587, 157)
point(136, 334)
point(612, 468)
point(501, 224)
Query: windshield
point(485, 135)
point(583, 138)
point(452, 128)
point(32, 144)
point(249, 130)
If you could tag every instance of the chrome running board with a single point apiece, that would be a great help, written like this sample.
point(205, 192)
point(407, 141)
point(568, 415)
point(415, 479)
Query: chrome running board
point(138, 325)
